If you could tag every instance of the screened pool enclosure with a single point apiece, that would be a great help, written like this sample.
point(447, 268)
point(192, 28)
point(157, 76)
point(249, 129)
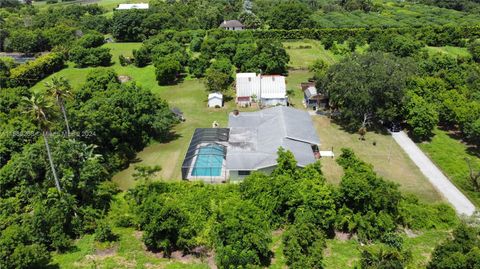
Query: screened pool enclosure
point(205, 157)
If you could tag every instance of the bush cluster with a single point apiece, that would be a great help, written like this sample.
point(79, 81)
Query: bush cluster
point(31, 72)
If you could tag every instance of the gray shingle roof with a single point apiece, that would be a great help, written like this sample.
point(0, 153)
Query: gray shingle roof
point(256, 136)
point(231, 23)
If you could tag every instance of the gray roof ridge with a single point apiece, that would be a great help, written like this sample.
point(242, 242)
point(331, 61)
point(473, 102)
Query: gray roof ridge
point(300, 140)
point(284, 123)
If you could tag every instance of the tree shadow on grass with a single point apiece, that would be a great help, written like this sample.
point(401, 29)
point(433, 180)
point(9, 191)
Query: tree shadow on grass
point(457, 135)
point(168, 137)
point(353, 129)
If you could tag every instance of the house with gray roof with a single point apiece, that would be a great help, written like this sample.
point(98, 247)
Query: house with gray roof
point(255, 138)
point(232, 25)
point(250, 143)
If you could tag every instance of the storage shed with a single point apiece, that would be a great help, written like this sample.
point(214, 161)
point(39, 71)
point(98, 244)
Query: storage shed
point(215, 99)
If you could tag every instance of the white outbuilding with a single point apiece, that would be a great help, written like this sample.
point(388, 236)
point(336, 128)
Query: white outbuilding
point(270, 90)
point(133, 6)
point(215, 99)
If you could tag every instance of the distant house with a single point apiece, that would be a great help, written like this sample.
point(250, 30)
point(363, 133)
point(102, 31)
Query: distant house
point(215, 100)
point(311, 97)
point(232, 25)
point(269, 90)
point(133, 6)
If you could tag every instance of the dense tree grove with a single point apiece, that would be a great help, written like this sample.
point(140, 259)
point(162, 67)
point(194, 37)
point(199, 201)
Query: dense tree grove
point(237, 220)
point(214, 55)
point(462, 251)
point(61, 143)
point(55, 182)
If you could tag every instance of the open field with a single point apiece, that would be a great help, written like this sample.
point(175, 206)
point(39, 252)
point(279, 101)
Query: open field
point(452, 51)
point(107, 4)
point(77, 76)
point(387, 158)
point(304, 53)
point(449, 155)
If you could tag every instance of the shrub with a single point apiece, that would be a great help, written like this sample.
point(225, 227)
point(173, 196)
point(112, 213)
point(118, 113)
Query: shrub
point(91, 40)
point(31, 72)
point(303, 246)
point(167, 69)
point(421, 116)
point(84, 57)
point(124, 61)
point(104, 233)
point(142, 57)
point(374, 257)
point(419, 216)
point(461, 251)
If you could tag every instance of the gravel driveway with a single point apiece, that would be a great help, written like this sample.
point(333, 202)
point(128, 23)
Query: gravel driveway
point(461, 203)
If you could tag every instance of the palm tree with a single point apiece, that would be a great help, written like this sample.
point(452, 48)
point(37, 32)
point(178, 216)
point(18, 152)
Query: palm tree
point(40, 109)
point(60, 89)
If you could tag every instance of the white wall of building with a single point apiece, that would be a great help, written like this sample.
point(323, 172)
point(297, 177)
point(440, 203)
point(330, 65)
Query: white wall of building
point(215, 101)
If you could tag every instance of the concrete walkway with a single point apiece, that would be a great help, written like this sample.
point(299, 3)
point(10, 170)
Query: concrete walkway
point(461, 203)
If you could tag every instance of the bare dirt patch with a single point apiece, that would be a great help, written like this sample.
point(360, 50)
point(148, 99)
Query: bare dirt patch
point(108, 252)
point(341, 236)
point(124, 79)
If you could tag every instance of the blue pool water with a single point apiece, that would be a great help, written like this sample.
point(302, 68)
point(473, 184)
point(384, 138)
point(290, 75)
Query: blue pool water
point(209, 161)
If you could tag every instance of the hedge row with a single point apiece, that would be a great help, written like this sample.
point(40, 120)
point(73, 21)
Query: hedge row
point(433, 36)
point(30, 73)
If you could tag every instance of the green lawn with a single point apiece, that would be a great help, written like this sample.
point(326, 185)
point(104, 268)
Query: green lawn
point(449, 154)
point(452, 51)
point(346, 254)
point(191, 97)
point(109, 5)
point(128, 252)
point(278, 260)
point(77, 76)
point(341, 254)
point(305, 52)
point(387, 158)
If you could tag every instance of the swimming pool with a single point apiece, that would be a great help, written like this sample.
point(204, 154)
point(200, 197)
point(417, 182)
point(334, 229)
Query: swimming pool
point(209, 161)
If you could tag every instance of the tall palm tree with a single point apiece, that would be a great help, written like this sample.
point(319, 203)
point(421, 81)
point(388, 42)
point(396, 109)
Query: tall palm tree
point(40, 109)
point(60, 89)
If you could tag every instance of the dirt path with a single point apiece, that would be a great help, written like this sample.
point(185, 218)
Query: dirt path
point(455, 197)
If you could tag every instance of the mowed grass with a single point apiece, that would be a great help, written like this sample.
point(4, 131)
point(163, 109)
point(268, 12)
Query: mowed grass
point(278, 260)
point(452, 51)
point(191, 97)
point(387, 158)
point(127, 252)
point(305, 52)
point(109, 5)
point(77, 76)
point(347, 253)
point(449, 155)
